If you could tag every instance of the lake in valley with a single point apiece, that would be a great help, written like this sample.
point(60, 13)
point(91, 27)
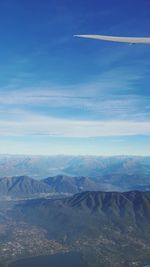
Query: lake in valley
point(71, 259)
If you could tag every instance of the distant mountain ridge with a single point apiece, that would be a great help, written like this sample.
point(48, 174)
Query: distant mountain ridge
point(88, 166)
point(69, 184)
point(120, 173)
point(21, 186)
point(26, 187)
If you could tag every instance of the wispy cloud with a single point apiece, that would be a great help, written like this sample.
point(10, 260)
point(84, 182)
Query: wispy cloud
point(104, 106)
point(31, 124)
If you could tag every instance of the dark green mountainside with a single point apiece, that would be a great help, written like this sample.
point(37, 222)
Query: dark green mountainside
point(104, 226)
point(119, 210)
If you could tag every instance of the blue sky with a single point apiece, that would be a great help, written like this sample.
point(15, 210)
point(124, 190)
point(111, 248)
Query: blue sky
point(64, 95)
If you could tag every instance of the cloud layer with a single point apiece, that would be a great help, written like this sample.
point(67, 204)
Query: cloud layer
point(30, 124)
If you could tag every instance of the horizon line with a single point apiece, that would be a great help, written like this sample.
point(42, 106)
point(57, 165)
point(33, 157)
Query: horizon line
point(76, 155)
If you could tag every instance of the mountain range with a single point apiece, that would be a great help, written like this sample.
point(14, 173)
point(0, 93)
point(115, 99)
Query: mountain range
point(19, 187)
point(116, 173)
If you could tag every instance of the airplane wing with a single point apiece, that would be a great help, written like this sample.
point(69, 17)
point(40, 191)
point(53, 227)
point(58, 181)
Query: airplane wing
point(130, 40)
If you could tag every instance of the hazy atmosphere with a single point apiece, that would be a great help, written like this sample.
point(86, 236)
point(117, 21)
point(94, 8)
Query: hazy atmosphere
point(63, 95)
